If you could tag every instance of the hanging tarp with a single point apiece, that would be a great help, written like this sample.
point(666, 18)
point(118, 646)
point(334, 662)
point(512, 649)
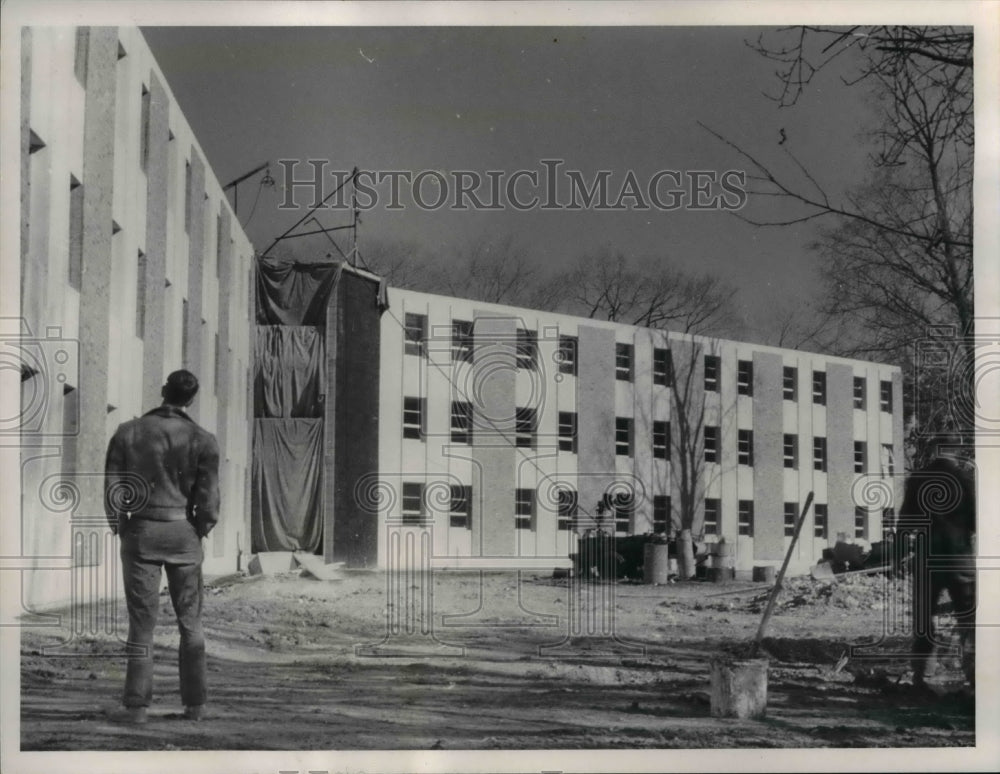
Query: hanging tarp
point(292, 293)
point(289, 376)
point(286, 512)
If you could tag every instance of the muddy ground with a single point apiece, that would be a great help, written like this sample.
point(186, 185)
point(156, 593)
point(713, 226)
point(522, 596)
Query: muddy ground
point(513, 662)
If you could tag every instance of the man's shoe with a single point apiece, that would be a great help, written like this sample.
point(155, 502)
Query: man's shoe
point(132, 716)
point(194, 712)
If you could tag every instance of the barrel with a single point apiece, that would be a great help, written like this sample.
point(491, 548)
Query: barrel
point(720, 574)
point(763, 574)
point(655, 563)
point(738, 687)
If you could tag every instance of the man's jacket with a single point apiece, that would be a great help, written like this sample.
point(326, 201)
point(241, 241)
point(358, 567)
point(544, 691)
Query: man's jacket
point(944, 493)
point(163, 466)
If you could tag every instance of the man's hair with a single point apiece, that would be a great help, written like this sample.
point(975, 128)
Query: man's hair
point(180, 388)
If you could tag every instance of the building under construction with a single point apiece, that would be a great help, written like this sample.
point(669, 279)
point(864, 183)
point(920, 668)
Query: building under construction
point(363, 423)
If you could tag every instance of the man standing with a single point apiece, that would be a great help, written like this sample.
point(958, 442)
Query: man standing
point(175, 464)
point(940, 500)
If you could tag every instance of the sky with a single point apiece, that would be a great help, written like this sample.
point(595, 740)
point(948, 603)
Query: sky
point(425, 99)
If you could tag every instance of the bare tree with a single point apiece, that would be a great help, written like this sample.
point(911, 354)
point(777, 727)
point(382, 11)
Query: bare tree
point(495, 269)
point(650, 293)
point(401, 264)
point(898, 255)
point(691, 475)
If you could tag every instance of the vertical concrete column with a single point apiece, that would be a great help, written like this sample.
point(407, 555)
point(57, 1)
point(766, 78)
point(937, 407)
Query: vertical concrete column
point(840, 448)
point(95, 283)
point(768, 454)
point(25, 167)
point(195, 196)
point(595, 400)
point(155, 244)
point(897, 438)
point(493, 444)
point(226, 283)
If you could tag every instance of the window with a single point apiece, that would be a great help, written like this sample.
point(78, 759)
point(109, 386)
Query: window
point(712, 373)
point(217, 367)
point(188, 195)
point(80, 54)
point(220, 237)
point(712, 509)
point(525, 423)
point(413, 418)
point(527, 348)
point(888, 466)
point(185, 331)
point(461, 506)
point(567, 431)
point(744, 447)
point(415, 332)
point(885, 396)
point(789, 383)
point(791, 451)
point(623, 436)
point(860, 457)
point(711, 444)
point(819, 388)
point(413, 503)
point(744, 377)
point(663, 367)
point(661, 440)
point(144, 129)
point(461, 422)
point(791, 513)
point(566, 500)
point(566, 356)
point(624, 505)
point(661, 513)
point(745, 518)
point(860, 522)
point(819, 454)
point(461, 341)
point(75, 232)
point(623, 362)
point(820, 520)
point(859, 393)
point(524, 508)
point(140, 296)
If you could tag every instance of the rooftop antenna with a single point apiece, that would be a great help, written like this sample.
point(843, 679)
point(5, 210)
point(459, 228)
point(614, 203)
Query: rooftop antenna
point(310, 216)
point(267, 180)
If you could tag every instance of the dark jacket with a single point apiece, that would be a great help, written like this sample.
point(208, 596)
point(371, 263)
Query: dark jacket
point(163, 466)
point(944, 493)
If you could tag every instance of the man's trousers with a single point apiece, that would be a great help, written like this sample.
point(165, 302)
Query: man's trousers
point(147, 546)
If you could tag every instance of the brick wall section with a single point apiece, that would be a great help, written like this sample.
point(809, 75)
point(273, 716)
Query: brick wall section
point(95, 283)
point(595, 401)
point(196, 268)
point(493, 451)
point(768, 494)
point(353, 339)
point(840, 473)
point(155, 245)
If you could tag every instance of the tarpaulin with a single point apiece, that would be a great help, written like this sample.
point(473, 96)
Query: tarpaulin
point(286, 512)
point(289, 376)
point(297, 293)
point(292, 293)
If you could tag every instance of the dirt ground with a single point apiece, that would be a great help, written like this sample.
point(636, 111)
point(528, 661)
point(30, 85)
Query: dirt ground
point(496, 660)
